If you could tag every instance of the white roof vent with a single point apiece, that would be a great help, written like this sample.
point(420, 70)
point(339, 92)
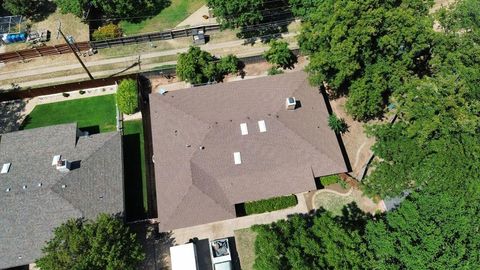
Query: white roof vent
point(290, 103)
point(24, 187)
point(55, 159)
point(6, 167)
point(8, 189)
point(261, 126)
point(64, 165)
point(244, 128)
point(237, 158)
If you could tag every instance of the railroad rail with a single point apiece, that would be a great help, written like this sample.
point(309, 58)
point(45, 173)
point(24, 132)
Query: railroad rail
point(26, 54)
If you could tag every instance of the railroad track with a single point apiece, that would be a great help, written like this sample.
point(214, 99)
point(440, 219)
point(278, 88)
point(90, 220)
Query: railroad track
point(26, 54)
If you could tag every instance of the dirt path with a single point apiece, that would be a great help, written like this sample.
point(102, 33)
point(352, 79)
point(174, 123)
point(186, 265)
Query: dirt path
point(219, 49)
point(197, 18)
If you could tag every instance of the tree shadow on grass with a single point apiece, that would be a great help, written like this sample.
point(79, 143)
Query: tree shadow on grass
point(133, 178)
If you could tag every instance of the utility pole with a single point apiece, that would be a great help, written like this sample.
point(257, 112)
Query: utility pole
point(74, 52)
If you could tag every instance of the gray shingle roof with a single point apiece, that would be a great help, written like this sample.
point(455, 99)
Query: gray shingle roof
point(28, 216)
point(196, 186)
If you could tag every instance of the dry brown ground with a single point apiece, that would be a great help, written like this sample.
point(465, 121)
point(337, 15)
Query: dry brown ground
point(245, 244)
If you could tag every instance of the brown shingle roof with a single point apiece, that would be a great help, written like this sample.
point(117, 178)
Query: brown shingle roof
point(196, 186)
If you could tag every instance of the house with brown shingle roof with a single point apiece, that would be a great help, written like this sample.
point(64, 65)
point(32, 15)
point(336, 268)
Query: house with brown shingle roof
point(225, 144)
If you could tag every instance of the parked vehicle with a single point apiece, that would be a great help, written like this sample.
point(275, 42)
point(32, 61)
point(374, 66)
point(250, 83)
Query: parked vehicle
point(220, 254)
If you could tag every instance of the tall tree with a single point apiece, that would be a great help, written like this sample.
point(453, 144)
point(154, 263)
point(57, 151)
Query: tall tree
point(237, 13)
point(30, 8)
point(428, 231)
point(105, 243)
point(307, 242)
point(130, 9)
point(280, 55)
point(76, 7)
point(350, 41)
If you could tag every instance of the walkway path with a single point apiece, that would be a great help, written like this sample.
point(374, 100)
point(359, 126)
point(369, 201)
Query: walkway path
point(227, 227)
point(197, 18)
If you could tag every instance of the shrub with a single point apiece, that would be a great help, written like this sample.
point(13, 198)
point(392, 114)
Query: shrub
point(268, 205)
point(127, 96)
point(65, 94)
point(330, 180)
point(81, 92)
point(280, 55)
point(274, 71)
point(107, 32)
point(228, 64)
point(337, 124)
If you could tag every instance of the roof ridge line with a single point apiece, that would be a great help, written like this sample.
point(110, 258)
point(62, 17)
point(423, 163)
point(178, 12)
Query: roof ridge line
point(305, 140)
point(68, 174)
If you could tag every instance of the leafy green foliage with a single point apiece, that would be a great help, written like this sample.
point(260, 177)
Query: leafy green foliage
point(307, 242)
point(75, 7)
point(197, 66)
point(127, 96)
point(330, 180)
point(337, 124)
point(369, 46)
point(427, 231)
point(29, 8)
point(303, 8)
point(280, 55)
point(107, 32)
point(274, 71)
point(237, 13)
point(269, 205)
point(228, 64)
point(129, 9)
point(105, 243)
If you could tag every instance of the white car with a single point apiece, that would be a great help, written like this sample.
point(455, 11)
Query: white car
point(220, 254)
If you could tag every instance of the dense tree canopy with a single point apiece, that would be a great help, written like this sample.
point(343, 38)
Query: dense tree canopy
point(353, 44)
point(83, 245)
point(311, 242)
point(29, 8)
point(237, 13)
point(130, 9)
point(75, 7)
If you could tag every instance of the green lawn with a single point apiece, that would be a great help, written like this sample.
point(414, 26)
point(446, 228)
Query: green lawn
point(135, 170)
point(268, 205)
point(96, 114)
point(168, 18)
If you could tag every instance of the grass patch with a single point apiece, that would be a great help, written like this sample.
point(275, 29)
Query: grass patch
point(168, 18)
point(135, 170)
point(95, 113)
point(330, 180)
point(332, 202)
point(268, 205)
point(245, 244)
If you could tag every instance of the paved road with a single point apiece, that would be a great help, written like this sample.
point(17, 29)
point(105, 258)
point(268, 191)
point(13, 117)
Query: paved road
point(49, 69)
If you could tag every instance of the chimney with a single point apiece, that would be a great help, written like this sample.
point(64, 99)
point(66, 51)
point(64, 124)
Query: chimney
point(290, 103)
point(63, 165)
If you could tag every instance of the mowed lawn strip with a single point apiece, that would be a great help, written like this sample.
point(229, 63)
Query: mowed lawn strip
point(135, 169)
point(268, 205)
point(86, 112)
point(168, 18)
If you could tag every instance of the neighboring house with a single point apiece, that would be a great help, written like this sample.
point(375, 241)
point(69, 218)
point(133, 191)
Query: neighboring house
point(50, 175)
point(225, 144)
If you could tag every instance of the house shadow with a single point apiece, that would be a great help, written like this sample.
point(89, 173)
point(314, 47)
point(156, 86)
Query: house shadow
point(155, 245)
point(11, 116)
point(133, 178)
point(91, 129)
point(339, 137)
